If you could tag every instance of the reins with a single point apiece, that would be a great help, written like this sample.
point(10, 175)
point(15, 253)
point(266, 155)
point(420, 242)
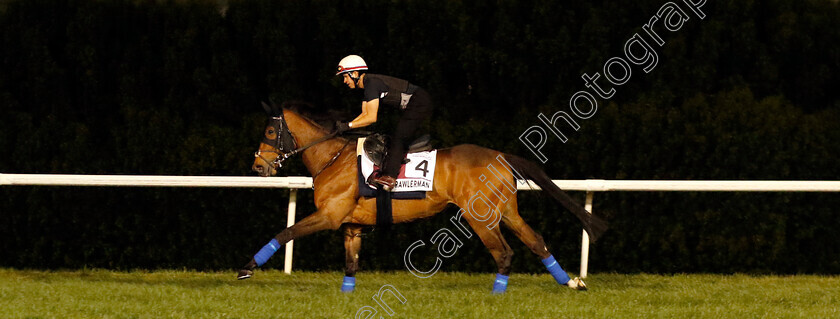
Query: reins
point(334, 158)
point(322, 139)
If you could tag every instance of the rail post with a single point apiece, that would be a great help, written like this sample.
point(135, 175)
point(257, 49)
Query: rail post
point(584, 239)
point(290, 220)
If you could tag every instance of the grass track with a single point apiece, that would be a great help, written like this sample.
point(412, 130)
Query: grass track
point(273, 294)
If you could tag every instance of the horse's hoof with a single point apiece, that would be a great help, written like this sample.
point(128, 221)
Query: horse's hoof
point(244, 274)
point(247, 271)
point(577, 284)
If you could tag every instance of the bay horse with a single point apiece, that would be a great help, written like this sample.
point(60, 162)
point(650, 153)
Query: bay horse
point(461, 173)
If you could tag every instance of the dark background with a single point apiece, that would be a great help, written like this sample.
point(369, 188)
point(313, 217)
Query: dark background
point(173, 87)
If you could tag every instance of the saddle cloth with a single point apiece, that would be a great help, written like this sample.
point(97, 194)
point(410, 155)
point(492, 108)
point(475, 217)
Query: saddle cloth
point(415, 176)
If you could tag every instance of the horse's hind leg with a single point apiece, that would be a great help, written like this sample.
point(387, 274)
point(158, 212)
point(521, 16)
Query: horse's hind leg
point(352, 246)
point(502, 253)
point(525, 233)
point(535, 242)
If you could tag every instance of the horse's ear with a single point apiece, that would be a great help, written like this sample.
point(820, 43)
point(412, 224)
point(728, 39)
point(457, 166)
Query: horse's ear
point(267, 108)
point(276, 109)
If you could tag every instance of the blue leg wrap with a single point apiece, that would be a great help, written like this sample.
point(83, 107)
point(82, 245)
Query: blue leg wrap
point(349, 284)
point(500, 285)
point(554, 268)
point(266, 252)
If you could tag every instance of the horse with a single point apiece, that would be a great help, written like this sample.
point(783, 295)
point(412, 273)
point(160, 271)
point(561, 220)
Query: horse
point(461, 174)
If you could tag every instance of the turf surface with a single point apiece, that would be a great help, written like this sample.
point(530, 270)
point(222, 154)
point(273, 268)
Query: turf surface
point(273, 294)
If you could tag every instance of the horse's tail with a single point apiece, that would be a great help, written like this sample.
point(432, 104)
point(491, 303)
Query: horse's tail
point(592, 224)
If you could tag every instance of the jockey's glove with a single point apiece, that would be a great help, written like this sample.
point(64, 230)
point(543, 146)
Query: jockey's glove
point(341, 127)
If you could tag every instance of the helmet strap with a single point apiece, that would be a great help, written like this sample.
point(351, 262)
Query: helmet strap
point(355, 78)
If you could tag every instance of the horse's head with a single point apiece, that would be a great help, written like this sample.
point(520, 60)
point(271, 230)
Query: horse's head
point(276, 145)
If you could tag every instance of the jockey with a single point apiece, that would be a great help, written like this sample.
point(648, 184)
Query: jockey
point(414, 102)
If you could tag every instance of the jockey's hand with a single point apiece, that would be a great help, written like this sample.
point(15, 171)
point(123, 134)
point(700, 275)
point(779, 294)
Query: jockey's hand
point(341, 127)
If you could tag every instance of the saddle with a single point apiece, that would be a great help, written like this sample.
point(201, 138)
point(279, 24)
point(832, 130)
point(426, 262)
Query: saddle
point(376, 146)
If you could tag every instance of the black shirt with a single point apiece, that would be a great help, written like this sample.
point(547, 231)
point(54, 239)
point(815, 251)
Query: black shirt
point(389, 90)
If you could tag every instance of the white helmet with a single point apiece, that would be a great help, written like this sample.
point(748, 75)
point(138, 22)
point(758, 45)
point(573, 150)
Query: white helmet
point(351, 63)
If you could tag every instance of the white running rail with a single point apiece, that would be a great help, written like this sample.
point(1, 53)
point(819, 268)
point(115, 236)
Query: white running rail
point(590, 186)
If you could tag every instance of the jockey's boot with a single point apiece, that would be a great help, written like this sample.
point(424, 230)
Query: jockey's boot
point(377, 177)
point(373, 176)
point(247, 271)
point(386, 181)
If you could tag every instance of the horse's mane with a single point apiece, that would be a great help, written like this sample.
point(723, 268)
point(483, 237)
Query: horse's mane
point(323, 117)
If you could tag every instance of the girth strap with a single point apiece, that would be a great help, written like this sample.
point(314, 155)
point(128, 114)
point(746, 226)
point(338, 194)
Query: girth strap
point(384, 214)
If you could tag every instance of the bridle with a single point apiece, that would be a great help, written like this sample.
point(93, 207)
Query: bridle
point(284, 138)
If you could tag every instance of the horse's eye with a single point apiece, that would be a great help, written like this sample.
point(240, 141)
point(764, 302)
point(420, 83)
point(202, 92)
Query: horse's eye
point(270, 132)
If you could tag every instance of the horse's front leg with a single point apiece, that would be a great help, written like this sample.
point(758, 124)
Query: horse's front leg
point(329, 218)
point(352, 246)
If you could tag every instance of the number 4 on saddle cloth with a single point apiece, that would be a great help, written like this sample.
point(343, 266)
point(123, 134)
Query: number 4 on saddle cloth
point(416, 173)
